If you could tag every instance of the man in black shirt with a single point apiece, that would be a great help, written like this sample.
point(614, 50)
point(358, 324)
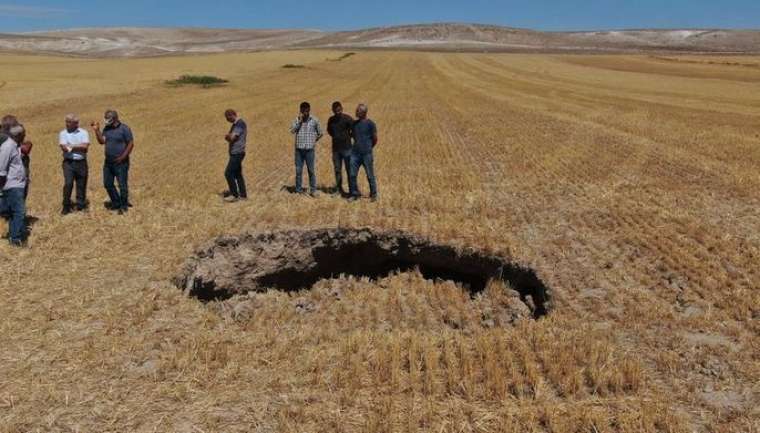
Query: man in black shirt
point(339, 127)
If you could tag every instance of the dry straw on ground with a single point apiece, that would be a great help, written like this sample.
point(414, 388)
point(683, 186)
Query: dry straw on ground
point(630, 184)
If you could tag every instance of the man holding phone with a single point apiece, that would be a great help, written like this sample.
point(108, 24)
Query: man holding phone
point(307, 132)
point(119, 142)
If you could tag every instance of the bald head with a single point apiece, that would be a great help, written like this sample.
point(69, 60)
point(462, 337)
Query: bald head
point(17, 133)
point(72, 122)
point(361, 111)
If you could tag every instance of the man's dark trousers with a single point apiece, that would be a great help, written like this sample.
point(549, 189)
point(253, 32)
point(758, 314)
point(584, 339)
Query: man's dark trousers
point(341, 158)
point(367, 160)
point(308, 157)
point(120, 172)
point(14, 204)
point(75, 171)
point(234, 176)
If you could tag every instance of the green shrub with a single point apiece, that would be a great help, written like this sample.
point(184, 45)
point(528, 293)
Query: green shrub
point(199, 80)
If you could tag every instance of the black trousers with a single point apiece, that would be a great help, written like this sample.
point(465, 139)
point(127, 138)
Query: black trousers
point(234, 176)
point(75, 172)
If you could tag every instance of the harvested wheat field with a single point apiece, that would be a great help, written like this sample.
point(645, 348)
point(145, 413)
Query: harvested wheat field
point(626, 187)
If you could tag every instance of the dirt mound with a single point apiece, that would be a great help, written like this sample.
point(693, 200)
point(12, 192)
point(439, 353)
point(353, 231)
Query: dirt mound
point(296, 260)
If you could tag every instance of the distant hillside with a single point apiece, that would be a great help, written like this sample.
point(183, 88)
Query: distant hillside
point(106, 42)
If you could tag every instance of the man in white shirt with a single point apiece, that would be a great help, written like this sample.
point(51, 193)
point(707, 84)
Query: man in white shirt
point(74, 142)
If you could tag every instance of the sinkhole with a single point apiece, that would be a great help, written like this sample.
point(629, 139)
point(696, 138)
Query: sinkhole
point(295, 260)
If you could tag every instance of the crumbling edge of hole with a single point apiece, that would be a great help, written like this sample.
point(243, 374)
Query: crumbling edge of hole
point(200, 277)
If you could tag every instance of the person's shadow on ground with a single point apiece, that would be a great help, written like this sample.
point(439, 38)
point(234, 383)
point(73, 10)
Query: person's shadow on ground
point(330, 190)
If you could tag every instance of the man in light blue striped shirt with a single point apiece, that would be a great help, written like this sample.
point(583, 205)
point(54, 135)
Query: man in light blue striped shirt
point(307, 132)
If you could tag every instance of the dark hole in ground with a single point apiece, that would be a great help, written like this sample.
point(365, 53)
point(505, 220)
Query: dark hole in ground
point(296, 260)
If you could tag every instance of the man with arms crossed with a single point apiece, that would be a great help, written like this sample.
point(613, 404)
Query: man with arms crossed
point(365, 140)
point(339, 127)
point(307, 131)
point(119, 142)
point(12, 185)
point(234, 173)
point(74, 143)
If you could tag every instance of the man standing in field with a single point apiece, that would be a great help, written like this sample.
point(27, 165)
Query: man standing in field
point(13, 184)
point(236, 139)
point(365, 140)
point(74, 143)
point(9, 121)
point(308, 132)
point(119, 142)
point(340, 129)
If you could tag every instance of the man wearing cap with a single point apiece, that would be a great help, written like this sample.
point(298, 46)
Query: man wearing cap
point(119, 142)
point(13, 184)
point(74, 143)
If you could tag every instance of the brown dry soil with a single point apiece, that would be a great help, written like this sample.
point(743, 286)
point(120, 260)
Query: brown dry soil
point(628, 184)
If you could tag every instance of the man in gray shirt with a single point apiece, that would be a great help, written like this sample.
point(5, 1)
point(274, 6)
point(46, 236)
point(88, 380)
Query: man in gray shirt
point(236, 138)
point(119, 142)
point(12, 184)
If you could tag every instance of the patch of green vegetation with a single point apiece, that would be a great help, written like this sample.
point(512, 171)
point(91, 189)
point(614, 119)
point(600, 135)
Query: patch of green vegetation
point(204, 81)
point(292, 66)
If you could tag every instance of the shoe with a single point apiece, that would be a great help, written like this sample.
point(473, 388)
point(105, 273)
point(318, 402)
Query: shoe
point(313, 194)
point(373, 199)
point(17, 243)
point(120, 212)
point(226, 194)
point(230, 199)
point(353, 198)
point(241, 198)
point(66, 210)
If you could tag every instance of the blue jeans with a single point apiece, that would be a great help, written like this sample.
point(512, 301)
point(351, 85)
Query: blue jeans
point(120, 172)
point(341, 158)
point(234, 176)
point(358, 160)
point(306, 156)
point(14, 203)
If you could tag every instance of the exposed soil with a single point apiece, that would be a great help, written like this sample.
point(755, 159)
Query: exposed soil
point(296, 260)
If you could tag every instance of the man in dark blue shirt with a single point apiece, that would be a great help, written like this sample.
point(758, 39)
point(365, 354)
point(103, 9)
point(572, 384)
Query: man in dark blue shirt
point(365, 140)
point(119, 142)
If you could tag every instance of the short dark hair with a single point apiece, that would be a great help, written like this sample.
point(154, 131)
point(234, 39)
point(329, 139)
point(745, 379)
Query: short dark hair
point(337, 104)
point(229, 112)
point(305, 105)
